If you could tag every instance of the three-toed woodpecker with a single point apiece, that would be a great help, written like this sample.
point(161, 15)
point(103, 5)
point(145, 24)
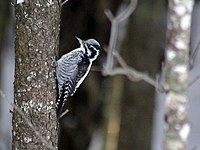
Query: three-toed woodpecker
point(73, 67)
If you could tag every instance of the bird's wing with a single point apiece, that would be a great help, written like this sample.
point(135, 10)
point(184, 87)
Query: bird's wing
point(66, 72)
point(67, 68)
point(64, 94)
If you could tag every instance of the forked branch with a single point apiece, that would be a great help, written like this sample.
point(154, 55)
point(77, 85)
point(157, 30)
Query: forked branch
point(112, 52)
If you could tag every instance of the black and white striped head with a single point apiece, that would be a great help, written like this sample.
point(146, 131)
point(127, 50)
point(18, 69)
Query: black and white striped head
point(91, 48)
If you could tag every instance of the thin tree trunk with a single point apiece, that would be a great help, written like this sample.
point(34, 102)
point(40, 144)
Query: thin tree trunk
point(176, 74)
point(34, 116)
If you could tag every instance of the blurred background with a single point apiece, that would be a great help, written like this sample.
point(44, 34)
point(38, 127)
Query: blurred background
point(107, 112)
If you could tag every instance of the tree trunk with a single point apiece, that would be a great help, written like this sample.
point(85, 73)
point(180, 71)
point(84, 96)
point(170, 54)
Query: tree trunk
point(176, 74)
point(37, 34)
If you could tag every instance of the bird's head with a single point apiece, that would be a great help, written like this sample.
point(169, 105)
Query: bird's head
point(91, 48)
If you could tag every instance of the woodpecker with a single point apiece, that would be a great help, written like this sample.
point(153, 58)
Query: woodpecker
point(73, 67)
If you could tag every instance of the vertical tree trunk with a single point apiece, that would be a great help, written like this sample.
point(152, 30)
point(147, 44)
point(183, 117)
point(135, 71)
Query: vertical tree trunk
point(37, 34)
point(176, 74)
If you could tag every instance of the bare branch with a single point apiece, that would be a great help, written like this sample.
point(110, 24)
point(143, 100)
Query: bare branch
point(64, 113)
point(64, 2)
point(194, 80)
point(127, 12)
point(193, 55)
point(135, 75)
point(109, 14)
point(112, 46)
point(130, 72)
point(115, 21)
point(120, 59)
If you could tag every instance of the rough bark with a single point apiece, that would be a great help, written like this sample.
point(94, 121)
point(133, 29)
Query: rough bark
point(37, 33)
point(176, 74)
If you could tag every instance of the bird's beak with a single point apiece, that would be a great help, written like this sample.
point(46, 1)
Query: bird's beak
point(80, 41)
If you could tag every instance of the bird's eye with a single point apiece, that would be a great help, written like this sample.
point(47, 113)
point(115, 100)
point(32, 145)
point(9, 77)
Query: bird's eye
point(91, 47)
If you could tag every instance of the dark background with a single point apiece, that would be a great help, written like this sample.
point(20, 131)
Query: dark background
point(142, 48)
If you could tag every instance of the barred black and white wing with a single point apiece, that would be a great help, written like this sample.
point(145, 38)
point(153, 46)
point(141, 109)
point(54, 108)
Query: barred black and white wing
point(72, 68)
point(67, 88)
